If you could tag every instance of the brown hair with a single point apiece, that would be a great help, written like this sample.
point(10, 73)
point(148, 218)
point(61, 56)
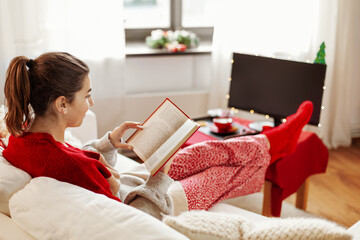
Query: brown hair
point(37, 83)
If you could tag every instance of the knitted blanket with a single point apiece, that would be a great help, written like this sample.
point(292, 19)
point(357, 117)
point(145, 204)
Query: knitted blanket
point(210, 225)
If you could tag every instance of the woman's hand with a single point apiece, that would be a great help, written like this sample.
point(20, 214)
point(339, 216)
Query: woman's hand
point(116, 135)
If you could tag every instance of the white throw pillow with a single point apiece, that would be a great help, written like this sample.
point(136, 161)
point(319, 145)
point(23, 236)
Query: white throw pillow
point(209, 225)
point(50, 209)
point(12, 180)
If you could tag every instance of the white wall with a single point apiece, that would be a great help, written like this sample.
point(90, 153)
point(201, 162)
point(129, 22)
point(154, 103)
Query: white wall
point(155, 74)
point(148, 80)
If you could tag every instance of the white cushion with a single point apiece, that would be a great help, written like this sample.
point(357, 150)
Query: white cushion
point(123, 163)
point(50, 209)
point(12, 180)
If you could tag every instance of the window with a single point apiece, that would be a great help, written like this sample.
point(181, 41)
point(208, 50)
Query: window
point(154, 13)
point(143, 16)
point(198, 13)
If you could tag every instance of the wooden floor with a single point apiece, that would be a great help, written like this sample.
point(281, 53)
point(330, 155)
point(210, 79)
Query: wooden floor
point(335, 195)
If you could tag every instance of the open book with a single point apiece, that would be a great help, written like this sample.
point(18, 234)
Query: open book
point(167, 128)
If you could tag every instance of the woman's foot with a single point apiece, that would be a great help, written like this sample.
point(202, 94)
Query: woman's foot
point(283, 139)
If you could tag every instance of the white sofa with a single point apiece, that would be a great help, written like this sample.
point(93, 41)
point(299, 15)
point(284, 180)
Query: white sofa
point(44, 208)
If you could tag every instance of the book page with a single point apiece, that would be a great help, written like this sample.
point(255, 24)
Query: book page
point(172, 144)
point(157, 129)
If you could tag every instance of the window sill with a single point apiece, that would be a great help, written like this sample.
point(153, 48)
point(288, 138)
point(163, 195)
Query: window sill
point(139, 49)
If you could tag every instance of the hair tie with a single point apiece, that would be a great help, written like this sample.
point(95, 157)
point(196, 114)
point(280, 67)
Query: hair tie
point(30, 63)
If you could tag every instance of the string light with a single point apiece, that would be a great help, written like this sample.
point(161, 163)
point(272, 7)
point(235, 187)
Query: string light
point(232, 109)
point(324, 87)
point(267, 116)
point(283, 120)
point(322, 107)
point(308, 61)
point(236, 110)
point(252, 111)
point(229, 79)
point(319, 125)
point(232, 61)
point(227, 96)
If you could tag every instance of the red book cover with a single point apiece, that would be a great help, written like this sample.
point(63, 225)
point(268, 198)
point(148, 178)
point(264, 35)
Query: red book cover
point(165, 130)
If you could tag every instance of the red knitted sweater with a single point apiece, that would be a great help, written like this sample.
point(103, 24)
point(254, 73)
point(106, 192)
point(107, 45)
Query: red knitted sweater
point(40, 155)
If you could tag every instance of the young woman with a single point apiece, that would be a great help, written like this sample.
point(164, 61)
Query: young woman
point(51, 93)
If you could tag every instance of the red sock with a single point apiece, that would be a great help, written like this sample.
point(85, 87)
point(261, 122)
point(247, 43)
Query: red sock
point(283, 139)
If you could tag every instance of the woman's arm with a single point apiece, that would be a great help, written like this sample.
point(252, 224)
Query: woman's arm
point(104, 147)
point(107, 145)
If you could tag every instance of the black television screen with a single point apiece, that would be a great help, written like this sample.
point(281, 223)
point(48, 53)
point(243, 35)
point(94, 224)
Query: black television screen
point(275, 87)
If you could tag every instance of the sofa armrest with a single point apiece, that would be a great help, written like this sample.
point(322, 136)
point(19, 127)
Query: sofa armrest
point(88, 129)
point(123, 163)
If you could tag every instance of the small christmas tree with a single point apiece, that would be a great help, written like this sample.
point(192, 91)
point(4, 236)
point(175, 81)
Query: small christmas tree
point(320, 58)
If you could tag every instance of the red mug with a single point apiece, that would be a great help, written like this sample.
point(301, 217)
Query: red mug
point(223, 123)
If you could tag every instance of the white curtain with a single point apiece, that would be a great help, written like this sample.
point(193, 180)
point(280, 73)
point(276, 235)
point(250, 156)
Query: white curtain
point(89, 29)
point(7, 48)
point(343, 82)
point(289, 30)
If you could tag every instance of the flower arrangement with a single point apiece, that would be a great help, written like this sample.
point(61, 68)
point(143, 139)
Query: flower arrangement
point(173, 41)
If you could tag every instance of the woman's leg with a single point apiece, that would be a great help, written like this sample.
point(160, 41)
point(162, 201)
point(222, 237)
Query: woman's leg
point(283, 139)
point(212, 171)
point(215, 177)
point(201, 156)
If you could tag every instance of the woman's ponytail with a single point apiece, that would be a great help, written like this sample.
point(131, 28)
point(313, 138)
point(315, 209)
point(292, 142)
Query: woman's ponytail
point(17, 94)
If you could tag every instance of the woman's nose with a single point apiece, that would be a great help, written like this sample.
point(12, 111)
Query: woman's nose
point(91, 102)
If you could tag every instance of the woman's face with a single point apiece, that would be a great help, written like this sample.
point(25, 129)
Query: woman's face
point(80, 105)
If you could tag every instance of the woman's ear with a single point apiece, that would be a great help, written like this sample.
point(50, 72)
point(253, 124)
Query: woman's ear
point(60, 105)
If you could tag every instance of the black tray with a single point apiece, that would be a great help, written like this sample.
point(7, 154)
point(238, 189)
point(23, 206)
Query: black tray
point(242, 130)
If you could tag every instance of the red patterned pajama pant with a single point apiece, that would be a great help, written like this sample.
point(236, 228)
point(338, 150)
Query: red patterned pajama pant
point(212, 171)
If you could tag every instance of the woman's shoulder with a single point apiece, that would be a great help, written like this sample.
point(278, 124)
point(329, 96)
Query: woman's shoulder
point(31, 146)
point(30, 141)
point(32, 153)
